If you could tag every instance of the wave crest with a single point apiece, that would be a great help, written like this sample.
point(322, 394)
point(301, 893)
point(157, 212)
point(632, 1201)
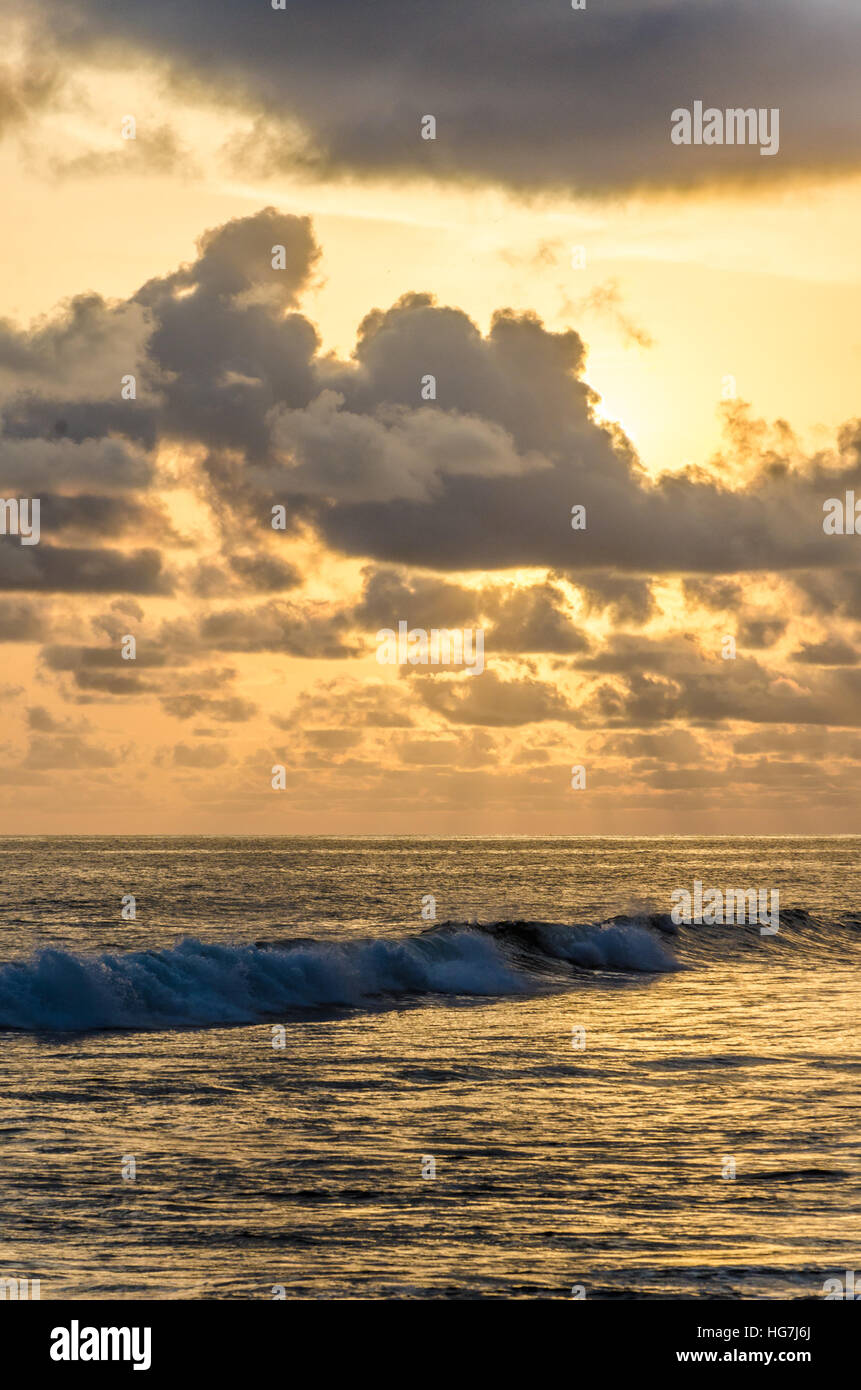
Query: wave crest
point(197, 984)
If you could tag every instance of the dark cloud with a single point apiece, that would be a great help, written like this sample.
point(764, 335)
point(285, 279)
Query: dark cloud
point(261, 573)
point(32, 466)
point(22, 620)
point(628, 599)
point(761, 632)
point(390, 596)
point(835, 594)
point(306, 630)
point(669, 685)
point(482, 478)
point(500, 493)
point(536, 618)
point(720, 595)
point(491, 700)
point(232, 710)
point(533, 618)
point(833, 651)
point(88, 515)
point(528, 95)
point(51, 568)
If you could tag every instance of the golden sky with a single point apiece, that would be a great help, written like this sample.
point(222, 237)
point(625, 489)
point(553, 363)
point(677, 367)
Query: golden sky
point(667, 336)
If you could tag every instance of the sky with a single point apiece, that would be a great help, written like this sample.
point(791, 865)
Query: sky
point(422, 353)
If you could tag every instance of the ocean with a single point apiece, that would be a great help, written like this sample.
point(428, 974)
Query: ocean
point(280, 1079)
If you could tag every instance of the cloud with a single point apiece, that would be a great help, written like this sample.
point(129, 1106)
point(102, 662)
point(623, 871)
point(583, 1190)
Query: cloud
point(532, 96)
point(200, 755)
point(482, 478)
point(761, 632)
point(606, 299)
point(398, 453)
point(667, 685)
point(27, 87)
point(492, 701)
point(53, 569)
point(833, 651)
point(69, 751)
point(371, 704)
point(22, 620)
point(627, 598)
point(156, 151)
point(532, 619)
point(232, 710)
point(31, 466)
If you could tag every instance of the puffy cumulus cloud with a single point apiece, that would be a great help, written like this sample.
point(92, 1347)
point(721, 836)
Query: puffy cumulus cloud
point(504, 514)
point(514, 87)
point(210, 345)
point(493, 700)
point(534, 618)
point(484, 477)
point(440, 501)
point(627, 598)
point(230, 263)
point(72, 352)
point(664, 683)
point(527, 618)
point(397, 453)
point(391, 595)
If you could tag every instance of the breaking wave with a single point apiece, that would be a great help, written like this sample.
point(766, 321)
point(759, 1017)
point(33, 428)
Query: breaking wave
point(199, 984)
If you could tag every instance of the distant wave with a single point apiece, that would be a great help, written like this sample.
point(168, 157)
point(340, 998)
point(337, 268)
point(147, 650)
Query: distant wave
point(199, 984)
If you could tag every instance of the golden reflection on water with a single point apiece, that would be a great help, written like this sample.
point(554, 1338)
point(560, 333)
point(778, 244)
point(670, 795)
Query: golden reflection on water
point(554, 1166)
